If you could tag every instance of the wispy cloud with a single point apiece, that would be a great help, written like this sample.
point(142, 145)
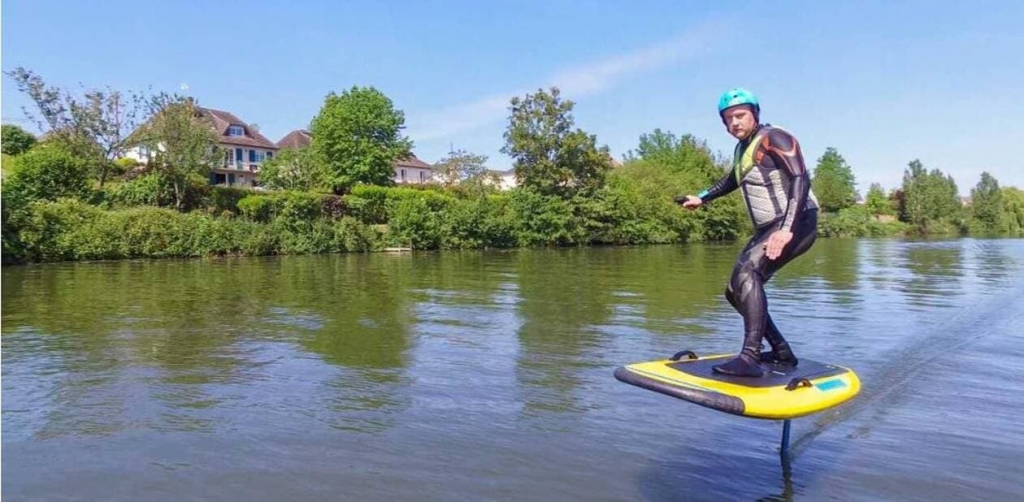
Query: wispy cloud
point(575, 82)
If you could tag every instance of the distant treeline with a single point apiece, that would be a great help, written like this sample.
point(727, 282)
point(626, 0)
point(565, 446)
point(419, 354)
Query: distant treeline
point(73, 196)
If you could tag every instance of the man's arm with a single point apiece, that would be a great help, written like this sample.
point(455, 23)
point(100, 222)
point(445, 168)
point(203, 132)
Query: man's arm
point(785, 151)
point(721, 187)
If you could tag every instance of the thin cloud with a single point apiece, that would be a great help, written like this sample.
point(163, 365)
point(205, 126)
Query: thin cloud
point(576, 82)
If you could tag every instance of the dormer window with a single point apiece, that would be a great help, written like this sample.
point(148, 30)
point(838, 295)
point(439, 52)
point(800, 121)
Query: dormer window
point(236, 131)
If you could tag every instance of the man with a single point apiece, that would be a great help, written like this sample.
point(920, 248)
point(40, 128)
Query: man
point(768, 168)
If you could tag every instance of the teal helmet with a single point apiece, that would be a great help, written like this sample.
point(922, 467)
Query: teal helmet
point(738, 96)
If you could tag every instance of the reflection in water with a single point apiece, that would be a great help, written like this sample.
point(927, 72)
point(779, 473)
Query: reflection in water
point(936, 270)
point(486, 375)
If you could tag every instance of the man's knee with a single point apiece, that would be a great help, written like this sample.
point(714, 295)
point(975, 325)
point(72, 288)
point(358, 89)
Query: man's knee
point(744, 281)
point(730, 296)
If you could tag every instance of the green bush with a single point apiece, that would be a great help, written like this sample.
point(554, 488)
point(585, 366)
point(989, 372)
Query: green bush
point(217, 199)
point(857, 221)
point(415, 222)
point(46, 172)
point(355, 236)
point(544, 220)
point(151, 189)
point(257, 208)
point(73, 230)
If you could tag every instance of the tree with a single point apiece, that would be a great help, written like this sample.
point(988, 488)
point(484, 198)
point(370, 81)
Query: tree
point(928, 197)
point(358, 135)
point(292, 169)
point(876, 201)
point(1012, 220)
point(182, 142)
point(460, 166)
point(547, 154)
point(987, 201)
point(16, 140)
point(686, 155)
point(914, 179)
point(95, 126)
point(834, 183)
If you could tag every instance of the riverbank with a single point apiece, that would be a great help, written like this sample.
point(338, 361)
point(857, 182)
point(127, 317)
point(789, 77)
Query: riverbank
point(378, 219)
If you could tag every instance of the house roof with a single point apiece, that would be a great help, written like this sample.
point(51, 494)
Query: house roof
point(412, 161)
point(299, 138)
point(222, 120)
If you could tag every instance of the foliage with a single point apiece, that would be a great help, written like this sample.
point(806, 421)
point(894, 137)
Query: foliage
point(16, 140)
point(549, 156)
point(292, 169)
point(876, 201)
point(460, 167)
point(929, 201)
point(95, 126)
point(150, 189)
point(46, 172)
point(73, 230)
point(833, 182)
point(857, 221)
point(181, 143)
point(358, 136)
point(987, 203)
point(1011, 221)
point(664, 166)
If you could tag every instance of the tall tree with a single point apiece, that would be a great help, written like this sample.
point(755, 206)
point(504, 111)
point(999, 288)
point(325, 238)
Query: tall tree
point(928, 197)
point(912, 209)
point(95, 126)
point(987, 201)
point(182, 142)
point(358, 135)
point(549, 156)
point(833, 182)
point(16, 140)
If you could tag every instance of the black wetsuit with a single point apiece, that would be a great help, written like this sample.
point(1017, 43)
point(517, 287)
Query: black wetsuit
point(745, 291)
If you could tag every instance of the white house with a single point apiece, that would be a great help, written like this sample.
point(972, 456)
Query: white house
point(505, 180)
point(245, 149)
point(413, 170)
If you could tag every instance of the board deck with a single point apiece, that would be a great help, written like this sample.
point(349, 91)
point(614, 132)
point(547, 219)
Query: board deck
point(784, 392)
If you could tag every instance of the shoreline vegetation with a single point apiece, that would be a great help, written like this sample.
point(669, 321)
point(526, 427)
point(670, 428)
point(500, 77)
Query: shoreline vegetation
point(73, 195)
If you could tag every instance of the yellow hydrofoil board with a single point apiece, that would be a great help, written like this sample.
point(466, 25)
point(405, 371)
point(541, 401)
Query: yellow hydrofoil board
point(784, 392)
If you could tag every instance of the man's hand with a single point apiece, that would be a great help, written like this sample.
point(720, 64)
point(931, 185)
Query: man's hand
point(690, 202)
point(777, 242)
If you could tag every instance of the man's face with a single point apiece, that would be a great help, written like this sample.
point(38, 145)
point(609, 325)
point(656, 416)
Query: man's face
point(739, 121)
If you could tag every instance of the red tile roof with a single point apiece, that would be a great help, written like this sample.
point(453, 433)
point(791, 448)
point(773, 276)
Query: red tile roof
point(222, 120)
point(299, 138)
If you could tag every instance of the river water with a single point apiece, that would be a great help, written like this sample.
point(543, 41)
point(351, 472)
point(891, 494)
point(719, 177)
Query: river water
point(488, 376)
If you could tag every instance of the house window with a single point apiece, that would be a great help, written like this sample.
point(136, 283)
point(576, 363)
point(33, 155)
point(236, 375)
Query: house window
point(236, 131)
point(227, 157)
point(423, 176)
point(238, 154)
point(403, 174)
point(270, 155)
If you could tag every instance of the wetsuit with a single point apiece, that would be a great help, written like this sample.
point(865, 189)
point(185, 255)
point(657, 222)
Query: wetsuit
point(769, 169)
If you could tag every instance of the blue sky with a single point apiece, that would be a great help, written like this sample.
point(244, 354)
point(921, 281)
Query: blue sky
point(885, 82)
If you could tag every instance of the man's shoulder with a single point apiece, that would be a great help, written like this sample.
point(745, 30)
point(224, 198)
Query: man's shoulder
point(779, 138)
